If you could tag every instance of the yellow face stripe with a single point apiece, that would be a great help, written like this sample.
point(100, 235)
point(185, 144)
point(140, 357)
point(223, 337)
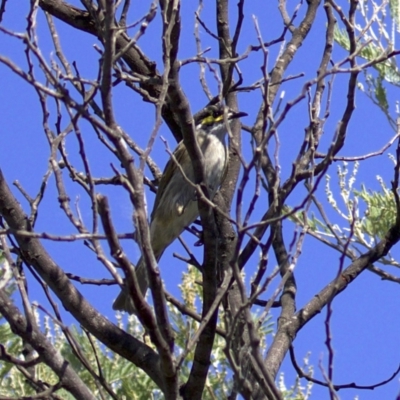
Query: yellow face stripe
point(211, 120)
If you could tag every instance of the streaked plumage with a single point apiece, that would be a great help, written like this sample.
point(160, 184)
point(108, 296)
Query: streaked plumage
point(175, 205)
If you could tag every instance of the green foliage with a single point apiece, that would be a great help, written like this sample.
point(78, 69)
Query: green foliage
point(379, 206)
point(125, 379)
point(394, 7)
point(376, 40)
point(218, 381)
point(370, 213)
point(12, 381)
point(381, 211)
point(370, 51)
point(13, 344)
point(297, 391)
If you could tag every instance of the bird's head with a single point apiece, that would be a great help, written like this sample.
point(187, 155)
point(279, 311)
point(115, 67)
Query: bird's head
point(213, 118)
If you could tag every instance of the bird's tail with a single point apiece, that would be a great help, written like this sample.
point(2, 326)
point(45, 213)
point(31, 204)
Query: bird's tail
point(124, 301)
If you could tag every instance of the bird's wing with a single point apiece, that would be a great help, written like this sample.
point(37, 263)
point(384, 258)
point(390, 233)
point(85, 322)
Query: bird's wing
point(181, 157)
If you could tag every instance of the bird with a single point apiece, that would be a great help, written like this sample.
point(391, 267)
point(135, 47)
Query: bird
point(175, 206)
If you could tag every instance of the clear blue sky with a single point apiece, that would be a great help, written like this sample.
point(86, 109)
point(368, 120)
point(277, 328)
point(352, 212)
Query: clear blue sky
point(365, 322)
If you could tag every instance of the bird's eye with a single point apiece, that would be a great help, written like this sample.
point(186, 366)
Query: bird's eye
point(217, 112)
point(212, 116)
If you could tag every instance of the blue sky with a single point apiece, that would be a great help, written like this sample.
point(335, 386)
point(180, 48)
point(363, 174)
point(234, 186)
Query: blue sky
point(365, 324)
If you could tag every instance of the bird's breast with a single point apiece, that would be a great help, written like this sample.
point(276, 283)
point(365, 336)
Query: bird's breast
point(214, 152)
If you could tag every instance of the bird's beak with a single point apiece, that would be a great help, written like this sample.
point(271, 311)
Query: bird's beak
point(238, 114)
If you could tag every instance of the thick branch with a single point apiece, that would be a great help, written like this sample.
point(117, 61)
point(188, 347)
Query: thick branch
point(286, 335)
point(34, 254)
point(52, 357)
